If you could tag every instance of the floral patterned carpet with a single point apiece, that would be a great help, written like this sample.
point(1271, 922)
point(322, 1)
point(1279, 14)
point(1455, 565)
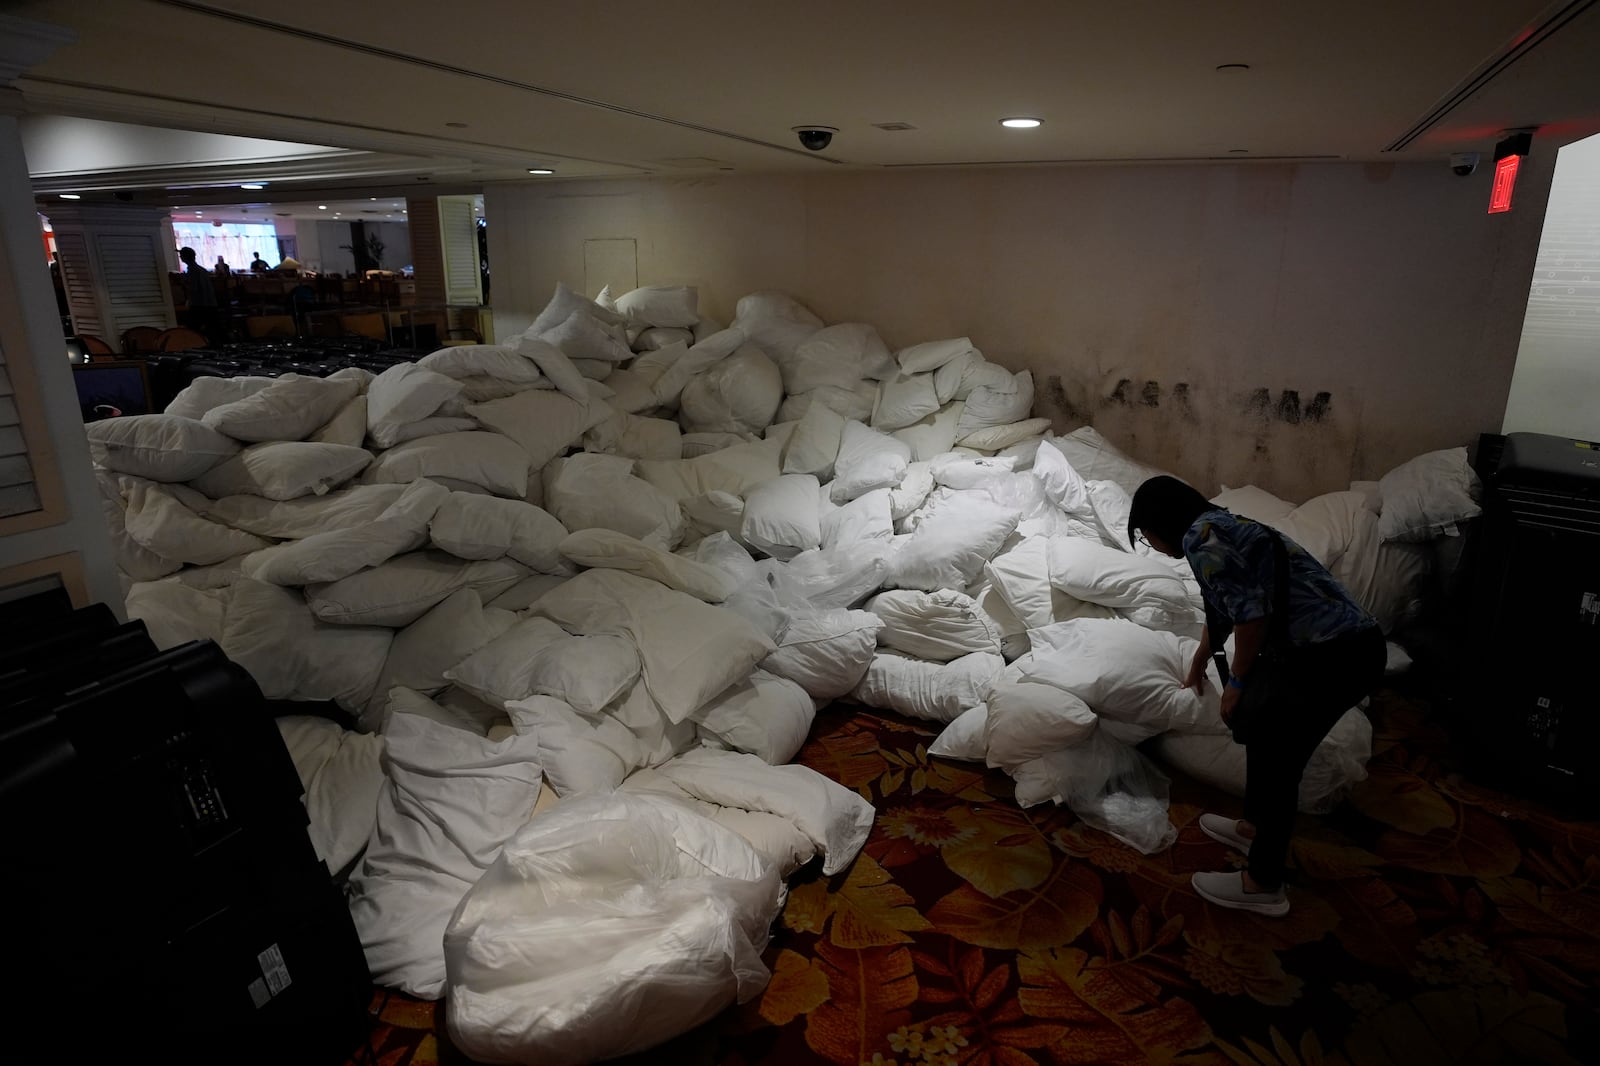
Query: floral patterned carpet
point(1432, 922)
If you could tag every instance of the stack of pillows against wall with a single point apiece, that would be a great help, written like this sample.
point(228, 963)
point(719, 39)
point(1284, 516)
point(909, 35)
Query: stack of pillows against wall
point(632, 532)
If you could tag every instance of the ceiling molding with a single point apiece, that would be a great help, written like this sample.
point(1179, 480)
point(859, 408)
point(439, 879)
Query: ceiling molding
point(1548, 22)
point(25, 43)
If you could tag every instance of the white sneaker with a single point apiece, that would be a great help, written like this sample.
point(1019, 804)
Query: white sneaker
point(1226, 889)
point(1226, 830)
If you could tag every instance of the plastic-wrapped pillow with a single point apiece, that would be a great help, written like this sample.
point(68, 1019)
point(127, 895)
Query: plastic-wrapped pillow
point(837, 356)
point(1427, 496)
point(934, 434)
point(740, 394)
point(990, 405)
point(905, 400)
point(935, 691)
point(825, 651)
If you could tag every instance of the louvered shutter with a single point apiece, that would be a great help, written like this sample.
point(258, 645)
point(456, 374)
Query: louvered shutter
point(458, 239)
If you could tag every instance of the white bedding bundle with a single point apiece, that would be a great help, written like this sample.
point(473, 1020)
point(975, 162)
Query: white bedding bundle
point(620, 561)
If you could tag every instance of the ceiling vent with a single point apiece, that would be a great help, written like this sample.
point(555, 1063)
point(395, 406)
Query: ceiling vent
point(893, 127)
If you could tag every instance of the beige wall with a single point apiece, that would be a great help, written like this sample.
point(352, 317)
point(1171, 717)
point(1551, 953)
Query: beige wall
point(1180, 309)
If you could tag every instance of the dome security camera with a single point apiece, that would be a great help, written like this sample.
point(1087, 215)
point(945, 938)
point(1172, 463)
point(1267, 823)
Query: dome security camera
point(815, 138)
point(1464, 163)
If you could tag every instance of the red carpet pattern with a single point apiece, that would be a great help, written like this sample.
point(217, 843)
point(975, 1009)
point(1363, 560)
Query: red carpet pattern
point(1432, 921)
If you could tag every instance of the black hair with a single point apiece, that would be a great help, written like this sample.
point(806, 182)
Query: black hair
point(1167, 507)
point(186, 253)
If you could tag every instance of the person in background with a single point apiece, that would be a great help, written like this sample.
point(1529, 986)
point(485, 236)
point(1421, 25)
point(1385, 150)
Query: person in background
point(202, 295)
point(259, 265)
point(222, 268)
point(1310, 649)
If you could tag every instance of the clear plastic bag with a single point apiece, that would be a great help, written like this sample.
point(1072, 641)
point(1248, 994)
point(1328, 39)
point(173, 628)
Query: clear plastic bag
point(1109, 785)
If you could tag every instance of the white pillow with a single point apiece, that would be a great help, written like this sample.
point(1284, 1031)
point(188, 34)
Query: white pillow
point(158, 447)
point(341, 774)
point(1127, 674)
point(657, 337)
point(766, 716)
point(825, 651)
point(574, 756)
point(589, 491)
point(963, 739)
point(502, 668)
point(991, 405)
point(173, 613)
point(202, 394)
point(489, 460)
point(935, 691)
point(561, 306)
point(291, 408)
point(933, 435)
point(526, 593)
point(157, 521)
point(404, 588)
point(996, 438)
point(474, 526)
point(949, 548)
point(348, 426)
point(636, 437)
point(814, 444)
point(857, 403)
point(1248, 501)
point(271, 632)
point(931, 355)
point(956, 379)
point(587, 672)
point(421, 653)
point(1099, 574)
point(867, 460)
point(1020, 576)
point(958, 470)
point(581, 336)
point(904, 400)
point(305, 516)
point(675, 306)
point(1095, 459)
point(631, 389)
point(1425, 497)
point(735, 470)
point(484, 360)
point(780, 517)
point(1062, 484)
point(1029, 719)
point(715, 512)
point(691, 651)
point(403, 394)
point(338, 553)
point(937, 626)
point(867, 517)
point(741, 394)
point(608, 549)
point(912, 491)
point(837, 356)
point(673, 367)
point(284, 470)
point(544, 424)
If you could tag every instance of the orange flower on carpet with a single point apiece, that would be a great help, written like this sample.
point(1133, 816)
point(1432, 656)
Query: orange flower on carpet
point(926, 826)
point(1236, 968)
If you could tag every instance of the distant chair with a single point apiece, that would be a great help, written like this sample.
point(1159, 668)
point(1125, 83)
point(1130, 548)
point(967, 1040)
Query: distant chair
point(369, 325)
point(463, 335)
point(95, 346)
point(260, 327)
point(183, 339)
point(141, 339)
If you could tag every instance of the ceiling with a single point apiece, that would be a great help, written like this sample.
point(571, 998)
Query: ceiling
point(456, 96)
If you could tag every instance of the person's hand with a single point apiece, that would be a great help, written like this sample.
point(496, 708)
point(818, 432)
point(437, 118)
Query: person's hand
point(1197, 674)
point(1230, 703)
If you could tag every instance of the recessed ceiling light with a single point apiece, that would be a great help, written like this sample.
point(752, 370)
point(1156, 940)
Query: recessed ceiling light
point(1238, 151)
point(70, 196)
point(540, 170)
point(456, 125)
point(1020, 123)
point(199, 214)
point(1233, 68)
point(372, 198)
point(254, 185)
point(322, 207)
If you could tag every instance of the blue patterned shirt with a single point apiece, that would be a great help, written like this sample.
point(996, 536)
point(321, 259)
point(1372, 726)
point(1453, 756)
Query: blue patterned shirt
point(1233, 559)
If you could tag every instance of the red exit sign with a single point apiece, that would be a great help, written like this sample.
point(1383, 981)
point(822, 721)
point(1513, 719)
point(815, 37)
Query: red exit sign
point(1505, 180)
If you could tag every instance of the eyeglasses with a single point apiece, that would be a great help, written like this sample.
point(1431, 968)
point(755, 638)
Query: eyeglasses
point(1140, 538)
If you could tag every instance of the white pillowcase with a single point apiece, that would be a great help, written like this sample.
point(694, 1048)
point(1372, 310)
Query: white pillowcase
point(284, 470)
point(489, 460)
point(158, 447)
point(173, 613)
point(825, 651)
point(421, 653)
point(403, 394)
point(1028, 719)
point(348, 426)
point(992, 405)
point(838, 356)
point(404, 588)
point(1127, 674)
point(956, 379)
point(502, 669)
point(161, 524)
point(636, 437)
point(589, 673)
point(949, 547)
point(995, 438)
point(582, 337)
point(963, 739)
point(291, 408)
point(305, 516)
point(1099, 574)
point(202, 394)
point(857, 403)
point(931, 355)
point(1249, 501)
point(576, 756)
point(1425, 497)
point(814, 444)
point(1095, 459)
point(675, 306)
point(1062, 484)
point(867, 460)
point(484, 360)
point(741, 394)
point(473, 526)
point(589, 491)
point(338, 553)
point(867, 517)
point(933, 435)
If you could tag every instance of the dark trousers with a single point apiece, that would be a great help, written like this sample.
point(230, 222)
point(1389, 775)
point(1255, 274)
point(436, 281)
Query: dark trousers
point(1320, 683)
